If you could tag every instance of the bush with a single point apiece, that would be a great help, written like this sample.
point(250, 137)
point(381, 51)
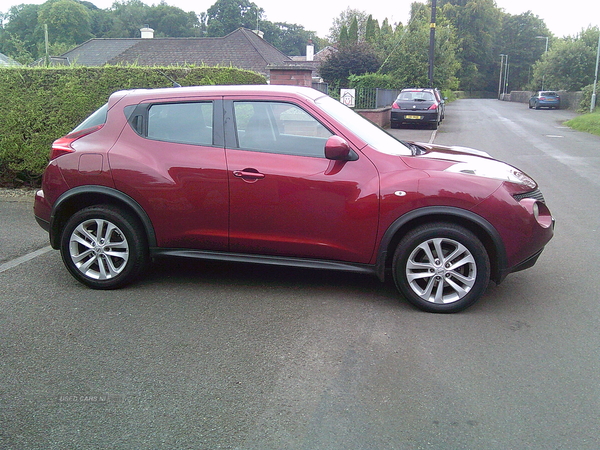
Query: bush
point(586, 97)
point(374, 80)
point(41, 104)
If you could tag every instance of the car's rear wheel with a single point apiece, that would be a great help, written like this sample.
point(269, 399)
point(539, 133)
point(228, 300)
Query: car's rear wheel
point(104, 247)
point(441, 267)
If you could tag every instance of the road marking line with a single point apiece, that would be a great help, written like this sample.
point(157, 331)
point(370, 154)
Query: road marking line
point(432, 138)
point(21, 259)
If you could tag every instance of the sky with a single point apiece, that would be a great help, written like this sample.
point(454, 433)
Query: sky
point(563, 18)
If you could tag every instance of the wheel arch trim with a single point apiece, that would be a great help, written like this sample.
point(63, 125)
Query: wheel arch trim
point(72, 195)
point(436, 214)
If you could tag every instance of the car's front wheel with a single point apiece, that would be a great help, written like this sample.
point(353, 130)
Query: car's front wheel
point(103, 247)
point(441, 267)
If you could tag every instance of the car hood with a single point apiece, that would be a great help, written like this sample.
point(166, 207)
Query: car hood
point(466, 161)
point(452, 153)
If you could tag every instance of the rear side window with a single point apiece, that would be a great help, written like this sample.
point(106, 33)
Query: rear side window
point(96, 119)
point(184, 123)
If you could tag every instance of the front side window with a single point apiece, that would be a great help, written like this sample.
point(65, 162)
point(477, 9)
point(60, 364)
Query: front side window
point(185, 123)
point(279, 127)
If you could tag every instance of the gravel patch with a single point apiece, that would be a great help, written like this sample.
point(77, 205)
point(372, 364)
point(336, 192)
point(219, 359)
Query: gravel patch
point(17, 194)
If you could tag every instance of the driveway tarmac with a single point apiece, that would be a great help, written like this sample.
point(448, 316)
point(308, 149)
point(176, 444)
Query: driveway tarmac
point(202, 355)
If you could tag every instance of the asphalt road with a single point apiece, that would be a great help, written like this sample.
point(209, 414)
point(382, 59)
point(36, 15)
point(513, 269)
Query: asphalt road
point(209, 356)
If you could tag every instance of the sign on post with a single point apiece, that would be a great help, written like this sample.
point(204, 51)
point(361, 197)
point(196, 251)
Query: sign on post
point(348, 97)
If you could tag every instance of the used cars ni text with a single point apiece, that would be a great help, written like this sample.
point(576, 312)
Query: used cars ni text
point(283, 175)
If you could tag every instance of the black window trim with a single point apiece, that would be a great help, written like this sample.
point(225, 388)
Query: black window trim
point(137, 117)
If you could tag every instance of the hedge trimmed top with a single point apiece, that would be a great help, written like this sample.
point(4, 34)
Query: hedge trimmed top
point(40, 105)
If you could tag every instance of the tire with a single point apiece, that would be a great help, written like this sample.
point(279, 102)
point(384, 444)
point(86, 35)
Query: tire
point(103, 247)
point(446, 284)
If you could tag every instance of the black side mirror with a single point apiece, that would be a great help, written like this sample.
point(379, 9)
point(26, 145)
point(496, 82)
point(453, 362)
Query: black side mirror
point(337, 149)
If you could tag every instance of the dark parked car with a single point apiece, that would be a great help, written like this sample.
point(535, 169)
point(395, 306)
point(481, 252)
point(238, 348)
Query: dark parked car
point(283, 175)
point(544, 99)
point(418, 106)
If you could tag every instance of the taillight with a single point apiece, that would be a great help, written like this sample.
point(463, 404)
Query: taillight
point(433, 107)
point(395, 106)
point(62, 145)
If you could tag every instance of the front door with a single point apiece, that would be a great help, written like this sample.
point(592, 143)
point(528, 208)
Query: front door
point(286, 198)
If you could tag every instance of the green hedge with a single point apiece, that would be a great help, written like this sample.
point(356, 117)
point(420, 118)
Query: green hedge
point(40, 105)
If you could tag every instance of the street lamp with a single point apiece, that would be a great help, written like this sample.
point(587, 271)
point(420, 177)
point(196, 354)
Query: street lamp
point(544, 37)
point(543, 75)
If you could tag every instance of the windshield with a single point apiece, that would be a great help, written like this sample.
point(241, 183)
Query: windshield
point(416, 96)
point(377, 138)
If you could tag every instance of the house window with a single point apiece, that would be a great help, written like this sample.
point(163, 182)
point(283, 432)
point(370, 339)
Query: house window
point(185, 123)
point(278, 127)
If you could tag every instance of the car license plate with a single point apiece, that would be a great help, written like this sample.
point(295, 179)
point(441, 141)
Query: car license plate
point(413, 117)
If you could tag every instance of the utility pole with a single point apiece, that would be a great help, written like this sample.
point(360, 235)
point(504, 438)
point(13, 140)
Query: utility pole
point(505, 86)
point(502, 55)
point(432, 41)
point(47, 44)
point(593, 102)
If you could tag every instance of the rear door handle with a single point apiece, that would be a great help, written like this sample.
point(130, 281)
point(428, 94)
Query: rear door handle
point(248, 174)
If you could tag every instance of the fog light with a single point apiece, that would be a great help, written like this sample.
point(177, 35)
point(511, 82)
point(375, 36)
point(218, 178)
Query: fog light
point(539, 210)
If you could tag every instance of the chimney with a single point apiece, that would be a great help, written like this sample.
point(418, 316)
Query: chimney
point(260, 34)
point(147, 32)
point(310, 51)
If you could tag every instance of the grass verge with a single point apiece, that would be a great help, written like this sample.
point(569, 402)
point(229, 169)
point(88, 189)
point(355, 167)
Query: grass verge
point(590, 123)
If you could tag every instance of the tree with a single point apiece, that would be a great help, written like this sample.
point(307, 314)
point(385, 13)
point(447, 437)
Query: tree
point(569, 64)
point(129, 16)
point(519, 39)
point(345, 19)
point(477, 24)
point(68, 22)
point(408, 48)
point(353, 31)
point(226, 16)
point(21, 33)
point(170, 21)
point(349, 60)
point(290, 39)
point(372, 30)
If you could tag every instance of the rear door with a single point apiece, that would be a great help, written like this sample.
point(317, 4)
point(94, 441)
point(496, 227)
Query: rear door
point(171, 160)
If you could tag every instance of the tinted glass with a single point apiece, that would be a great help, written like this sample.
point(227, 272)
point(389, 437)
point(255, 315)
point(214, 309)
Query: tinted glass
point(278, 127)
point(185, 123)
point(97, 118)
point(361, 127)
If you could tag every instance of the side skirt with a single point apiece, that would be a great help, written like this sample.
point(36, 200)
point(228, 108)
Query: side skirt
point(266, 259)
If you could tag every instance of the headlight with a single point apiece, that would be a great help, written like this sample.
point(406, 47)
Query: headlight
point(490, 168)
